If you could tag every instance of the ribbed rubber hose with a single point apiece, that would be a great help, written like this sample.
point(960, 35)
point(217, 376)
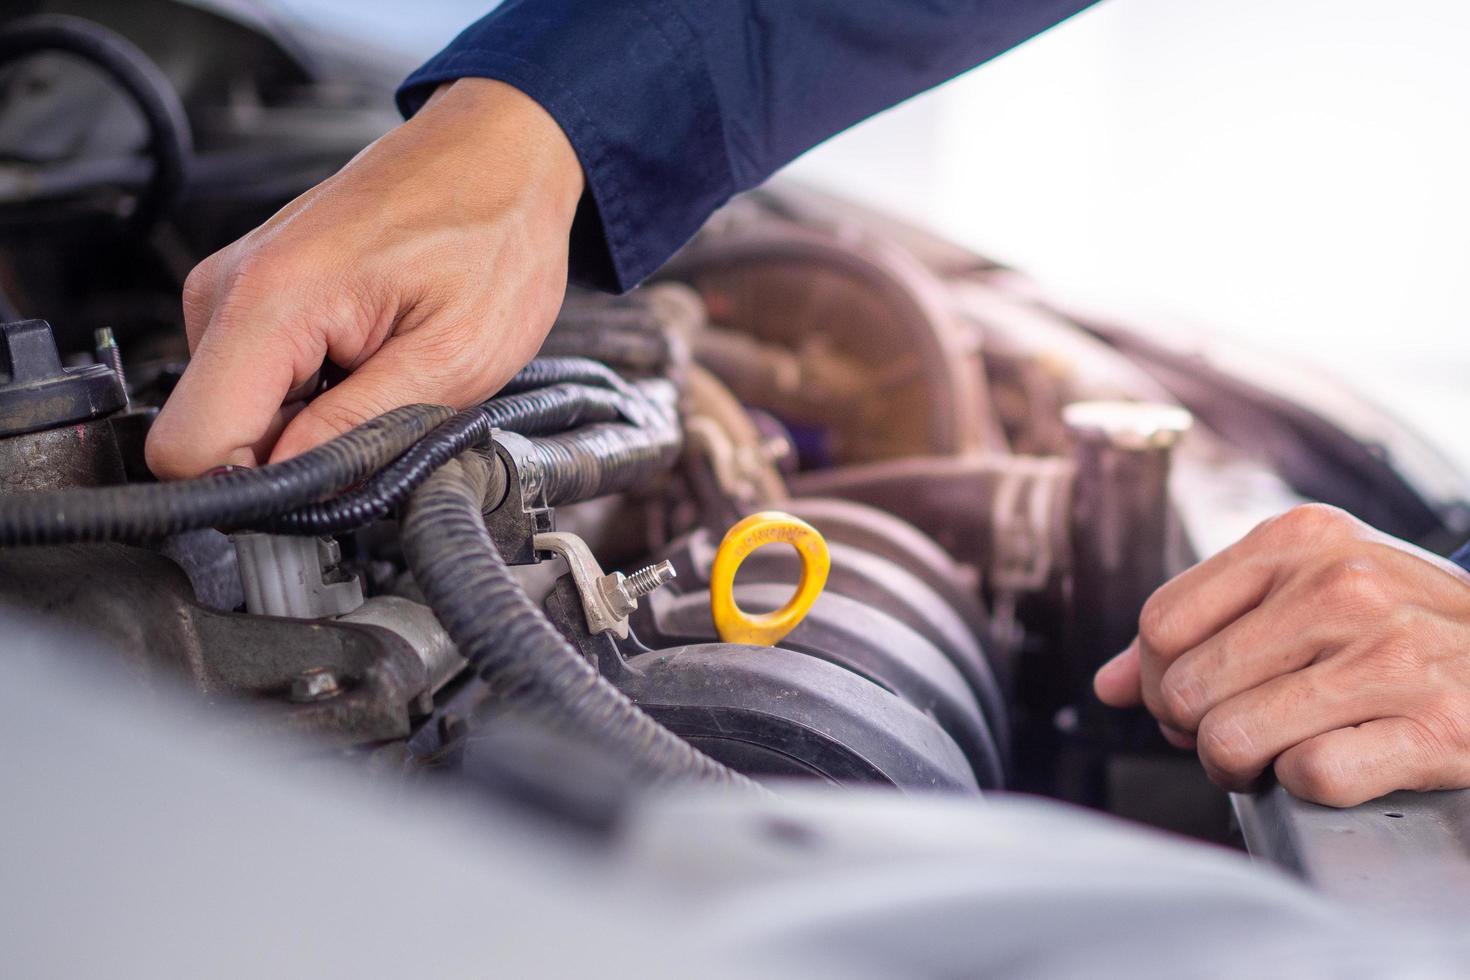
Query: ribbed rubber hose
point(603, 459)
point(552, 409)
point(511, 645)
point(235, 498)
point(170, 142)
point(546, 371)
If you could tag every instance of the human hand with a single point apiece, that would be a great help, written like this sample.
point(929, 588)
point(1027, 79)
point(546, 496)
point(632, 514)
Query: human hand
point(431, 267)
point(1337, 653)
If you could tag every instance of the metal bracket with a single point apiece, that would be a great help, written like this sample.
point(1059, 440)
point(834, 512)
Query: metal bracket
point(521, 514)
point(607, 599)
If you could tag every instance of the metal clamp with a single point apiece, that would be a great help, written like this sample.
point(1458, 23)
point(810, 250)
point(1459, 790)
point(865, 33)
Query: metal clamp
point(607, 599)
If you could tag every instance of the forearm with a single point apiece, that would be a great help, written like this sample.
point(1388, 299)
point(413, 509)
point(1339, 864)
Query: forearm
point(674, 107)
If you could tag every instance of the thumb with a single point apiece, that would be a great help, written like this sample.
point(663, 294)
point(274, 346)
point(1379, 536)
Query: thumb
point(228, 404)
point(1118, 682)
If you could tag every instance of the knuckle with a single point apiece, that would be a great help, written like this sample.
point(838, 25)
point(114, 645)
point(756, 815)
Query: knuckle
point(1227, 748)
point(1181, 696)
point(1355, 586)
point(1157, 624)
point(1308, 522)
point(254, 272)
point(199, 283)
point(1314, 519)
point(1317, 774)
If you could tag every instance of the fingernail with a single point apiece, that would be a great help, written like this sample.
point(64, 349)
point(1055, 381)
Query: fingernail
point(244, 456)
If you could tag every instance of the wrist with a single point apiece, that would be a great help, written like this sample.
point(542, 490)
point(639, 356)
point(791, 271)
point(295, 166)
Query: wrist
point(521, 145)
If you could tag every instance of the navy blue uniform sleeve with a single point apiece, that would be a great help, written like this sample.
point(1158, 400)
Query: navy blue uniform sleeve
point(673, 106)
point(1462, 556)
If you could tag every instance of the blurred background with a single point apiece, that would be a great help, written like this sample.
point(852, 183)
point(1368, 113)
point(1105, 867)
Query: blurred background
point(1292, 173)
point(1288, 173)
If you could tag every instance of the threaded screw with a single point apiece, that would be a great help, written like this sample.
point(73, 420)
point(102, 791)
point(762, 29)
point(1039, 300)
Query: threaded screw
point(649, 579)
point(109, 354)
point(622, 592)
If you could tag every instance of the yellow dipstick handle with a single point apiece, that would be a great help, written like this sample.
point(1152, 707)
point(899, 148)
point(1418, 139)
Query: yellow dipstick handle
point(756, 531)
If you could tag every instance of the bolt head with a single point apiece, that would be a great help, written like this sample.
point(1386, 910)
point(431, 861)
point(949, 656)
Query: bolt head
point(615, 591)
point(314, 684)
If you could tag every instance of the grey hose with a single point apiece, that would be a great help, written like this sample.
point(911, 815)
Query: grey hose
point(509, 642)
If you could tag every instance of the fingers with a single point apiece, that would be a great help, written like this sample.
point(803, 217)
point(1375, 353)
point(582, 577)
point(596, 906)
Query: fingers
point(1277, 637)
point(1193, 606)
point(1349, 766)
point(1117, 681)
point(221, 410)
point(1240, 738)
point(405, 370)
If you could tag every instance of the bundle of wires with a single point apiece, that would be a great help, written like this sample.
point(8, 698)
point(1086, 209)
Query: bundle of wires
point(592, 432)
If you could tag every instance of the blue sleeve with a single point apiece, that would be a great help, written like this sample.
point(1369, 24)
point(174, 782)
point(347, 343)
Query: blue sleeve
point(673, 106)
point(1462, 556)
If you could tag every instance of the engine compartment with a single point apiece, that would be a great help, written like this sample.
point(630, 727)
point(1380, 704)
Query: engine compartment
point(502, 594)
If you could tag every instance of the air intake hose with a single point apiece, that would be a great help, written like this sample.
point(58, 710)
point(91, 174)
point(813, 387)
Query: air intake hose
point(511, 645)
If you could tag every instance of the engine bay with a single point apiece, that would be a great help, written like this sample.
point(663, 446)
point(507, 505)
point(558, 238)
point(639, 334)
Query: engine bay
point(830, 500)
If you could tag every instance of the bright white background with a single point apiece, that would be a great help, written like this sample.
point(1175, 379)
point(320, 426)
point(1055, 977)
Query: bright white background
point(1291, 172)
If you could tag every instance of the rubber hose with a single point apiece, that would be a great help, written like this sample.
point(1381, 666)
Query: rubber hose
point(509, 642)
point(170, 142)
point(545, 410)
point(545, 371)
point(603, 459)
point(234, 498)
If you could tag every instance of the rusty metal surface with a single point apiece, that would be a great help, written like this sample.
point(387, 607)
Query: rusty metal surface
point(82, 455)
point(140, 604)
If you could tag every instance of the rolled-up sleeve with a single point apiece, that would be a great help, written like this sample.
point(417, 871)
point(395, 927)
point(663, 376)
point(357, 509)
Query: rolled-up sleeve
point(673, 106)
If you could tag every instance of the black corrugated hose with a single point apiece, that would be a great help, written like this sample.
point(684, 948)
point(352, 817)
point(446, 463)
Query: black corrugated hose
point(509, 642)
point(235, 498)
point(545, 371)
point(604, 459)
point(552, 409)
point(397, 450)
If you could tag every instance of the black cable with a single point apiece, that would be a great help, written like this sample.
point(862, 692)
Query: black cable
point(550, 409)
point(544, 371)
point(170, 142)
point(235, 498)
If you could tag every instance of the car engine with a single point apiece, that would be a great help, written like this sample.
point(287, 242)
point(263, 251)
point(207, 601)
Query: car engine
point(830, 500)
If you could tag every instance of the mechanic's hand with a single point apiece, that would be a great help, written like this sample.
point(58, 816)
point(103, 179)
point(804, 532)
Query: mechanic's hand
point(1317, 643)
point(431, 267)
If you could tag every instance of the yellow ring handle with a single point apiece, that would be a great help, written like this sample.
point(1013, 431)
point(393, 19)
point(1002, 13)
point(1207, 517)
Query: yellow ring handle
point(756, 531)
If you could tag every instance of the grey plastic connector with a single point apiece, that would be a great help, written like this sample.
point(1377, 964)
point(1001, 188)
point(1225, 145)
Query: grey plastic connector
point(294, 577)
